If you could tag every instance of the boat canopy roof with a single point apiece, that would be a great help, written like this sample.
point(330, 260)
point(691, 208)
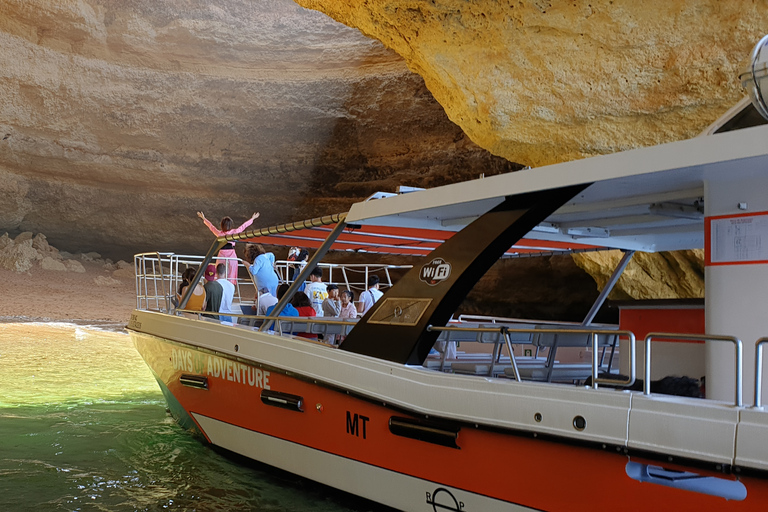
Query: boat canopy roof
point(648, 199)
point(402, 240)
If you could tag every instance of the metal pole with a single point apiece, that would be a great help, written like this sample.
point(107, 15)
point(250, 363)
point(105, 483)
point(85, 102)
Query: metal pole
point(704, 337)
point(739, 374)
point(608, 287)
point(759, 371)
point(647, 367)
point(595, 361)
point(512, 358)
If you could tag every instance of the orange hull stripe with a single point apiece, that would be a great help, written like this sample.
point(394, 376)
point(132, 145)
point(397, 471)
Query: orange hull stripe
point(536, 473)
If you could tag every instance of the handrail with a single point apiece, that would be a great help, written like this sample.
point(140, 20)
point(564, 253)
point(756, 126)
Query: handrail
point(288, 227)
point(361, 268)
point(759, 371)
point(303, 319)
point(156, 288)
point(501, 330)
point(309, 320)
point(595, 360)
point(140, 261)
point(506, 330)
point(494, 319)
point(697, 337)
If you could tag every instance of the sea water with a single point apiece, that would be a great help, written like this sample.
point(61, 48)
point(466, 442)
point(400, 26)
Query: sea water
point(83, 426)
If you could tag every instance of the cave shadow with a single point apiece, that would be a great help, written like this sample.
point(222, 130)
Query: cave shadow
point(393, 132)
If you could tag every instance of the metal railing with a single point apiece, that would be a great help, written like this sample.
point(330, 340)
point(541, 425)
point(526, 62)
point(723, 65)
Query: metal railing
point(315, 325)
point(693, 337)
point(507, 320)
point(149, 271)
point(506, 332)
point(354, 276)
point(759, 371)
point(158, 276)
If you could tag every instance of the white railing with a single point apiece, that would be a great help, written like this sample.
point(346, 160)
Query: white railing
point(158, 276)
point(353, 276)
point(694, 337)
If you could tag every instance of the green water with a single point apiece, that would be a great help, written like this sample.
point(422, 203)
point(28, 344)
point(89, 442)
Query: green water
point(83, 426)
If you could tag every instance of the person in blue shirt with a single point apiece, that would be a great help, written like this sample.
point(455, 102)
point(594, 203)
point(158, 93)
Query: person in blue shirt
point(262, 267)
point(288, 310)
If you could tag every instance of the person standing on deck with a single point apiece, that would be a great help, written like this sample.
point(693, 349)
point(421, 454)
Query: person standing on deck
point(348, 310)
point(300, 257)
point(228, 292)
point(213, 291)
point(372, 294)
point(347, 305)
point(262, 267)
point(332, 308)
point(316, 290)
point(227, 254)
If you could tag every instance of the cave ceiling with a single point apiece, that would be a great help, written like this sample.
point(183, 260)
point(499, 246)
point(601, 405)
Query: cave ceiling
point(119, 119)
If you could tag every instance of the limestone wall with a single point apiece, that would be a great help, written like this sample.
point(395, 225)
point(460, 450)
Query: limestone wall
point(540, 81)
point(119, 120)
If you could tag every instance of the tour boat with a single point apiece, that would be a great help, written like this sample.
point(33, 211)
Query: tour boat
point(379, 417)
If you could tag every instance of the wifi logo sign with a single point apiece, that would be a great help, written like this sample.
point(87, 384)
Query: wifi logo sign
point(435, 272)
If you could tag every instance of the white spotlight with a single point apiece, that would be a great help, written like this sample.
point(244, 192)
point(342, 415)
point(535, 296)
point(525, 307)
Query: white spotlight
point(755, 77)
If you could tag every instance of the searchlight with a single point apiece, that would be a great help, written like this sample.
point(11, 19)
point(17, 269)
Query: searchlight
point(754, 78)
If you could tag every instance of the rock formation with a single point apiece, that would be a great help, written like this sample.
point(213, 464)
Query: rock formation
point(540, 82)
point(29, 252)
point(119, 120)
point(666, 275)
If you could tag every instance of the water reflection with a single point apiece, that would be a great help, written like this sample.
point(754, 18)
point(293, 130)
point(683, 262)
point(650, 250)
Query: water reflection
point(84, 427)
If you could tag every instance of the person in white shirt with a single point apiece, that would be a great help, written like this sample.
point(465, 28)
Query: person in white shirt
point(316, 290)
point(372, 294)
point(266, 299)
point(228, 292)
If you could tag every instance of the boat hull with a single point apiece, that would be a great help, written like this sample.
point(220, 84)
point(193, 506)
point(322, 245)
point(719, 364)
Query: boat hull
point(326, 433)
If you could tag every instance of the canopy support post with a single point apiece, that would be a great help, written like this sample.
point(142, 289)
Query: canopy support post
point(599, 303)
point(608, 288)
point(395, 328)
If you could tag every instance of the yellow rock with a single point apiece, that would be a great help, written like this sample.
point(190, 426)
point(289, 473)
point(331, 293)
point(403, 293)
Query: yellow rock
point(665, 275)
point(540, 82)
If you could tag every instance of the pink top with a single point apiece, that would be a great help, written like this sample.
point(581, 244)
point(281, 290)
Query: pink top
point(348, 311)
point(216, 231)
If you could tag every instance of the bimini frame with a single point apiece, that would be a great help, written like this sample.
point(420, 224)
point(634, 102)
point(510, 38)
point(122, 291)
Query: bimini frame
point(221, 241)
point(396, 328)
